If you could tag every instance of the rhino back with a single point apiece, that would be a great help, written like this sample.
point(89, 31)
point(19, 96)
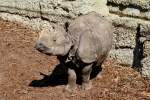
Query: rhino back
point(98, 27)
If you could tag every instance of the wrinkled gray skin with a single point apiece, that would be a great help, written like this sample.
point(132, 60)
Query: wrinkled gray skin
point(87, 40)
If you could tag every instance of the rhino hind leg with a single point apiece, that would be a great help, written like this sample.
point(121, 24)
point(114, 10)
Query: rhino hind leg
point(71, 80)
point(86, 71)
point(96, 71)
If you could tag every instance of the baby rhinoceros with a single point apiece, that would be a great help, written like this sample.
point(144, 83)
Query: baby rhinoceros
point(85, 42)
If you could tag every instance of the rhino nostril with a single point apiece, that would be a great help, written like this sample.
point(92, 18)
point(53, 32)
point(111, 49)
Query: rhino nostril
point(40, 46)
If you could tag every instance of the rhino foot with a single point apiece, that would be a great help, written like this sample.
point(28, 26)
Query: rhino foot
point(99, 76)
point(70, 88)
point(86, 86)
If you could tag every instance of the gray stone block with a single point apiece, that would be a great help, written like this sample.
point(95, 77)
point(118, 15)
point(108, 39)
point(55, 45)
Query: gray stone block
point(130, 8)
point(144, 29)
point(125, 22)
point(146, 67)
point(21, 7)
point(142, 4)
point(124, 38)
point(131, 12)
point(124, 56)
point(146, 49)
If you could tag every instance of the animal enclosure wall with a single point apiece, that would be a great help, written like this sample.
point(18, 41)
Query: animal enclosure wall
point(129, 17)
point(132, 32)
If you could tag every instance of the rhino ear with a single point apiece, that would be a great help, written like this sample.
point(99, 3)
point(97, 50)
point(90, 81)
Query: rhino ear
point(42, 32)
point(66, 26)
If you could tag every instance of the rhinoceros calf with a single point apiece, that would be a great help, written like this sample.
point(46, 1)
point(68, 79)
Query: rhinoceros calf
point(86, 41)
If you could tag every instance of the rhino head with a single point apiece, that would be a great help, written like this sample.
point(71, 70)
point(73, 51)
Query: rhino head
point(54, 41)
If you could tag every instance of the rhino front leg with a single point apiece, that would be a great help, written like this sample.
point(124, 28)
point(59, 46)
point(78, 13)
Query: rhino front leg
point(86, 71)
point(71, 80)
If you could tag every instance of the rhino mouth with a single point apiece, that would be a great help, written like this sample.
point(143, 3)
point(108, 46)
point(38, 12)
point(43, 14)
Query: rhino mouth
point(42, 48)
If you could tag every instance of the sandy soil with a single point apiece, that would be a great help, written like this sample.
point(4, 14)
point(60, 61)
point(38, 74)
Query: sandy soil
point(22, 66)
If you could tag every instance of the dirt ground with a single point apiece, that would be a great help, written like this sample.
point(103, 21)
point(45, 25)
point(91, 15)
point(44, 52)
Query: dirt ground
point(23, 69)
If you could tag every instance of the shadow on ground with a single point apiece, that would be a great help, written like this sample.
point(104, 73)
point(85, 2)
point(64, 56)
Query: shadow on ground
point(59, 76)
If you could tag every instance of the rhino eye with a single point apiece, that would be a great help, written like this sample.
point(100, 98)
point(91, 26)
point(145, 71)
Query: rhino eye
point(53, 27)
point(54, 40)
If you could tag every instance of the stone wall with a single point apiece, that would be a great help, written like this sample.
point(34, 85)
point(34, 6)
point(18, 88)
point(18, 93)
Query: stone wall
point(131, 20)
point(35, 13)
